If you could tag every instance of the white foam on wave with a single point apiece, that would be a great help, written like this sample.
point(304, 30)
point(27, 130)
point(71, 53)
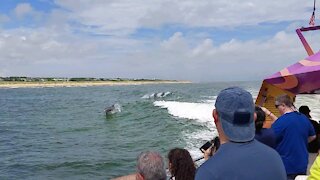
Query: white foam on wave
point(212, 99)
point(209, 99)
point(196, 139)
point(311, 100)
point(202, 112)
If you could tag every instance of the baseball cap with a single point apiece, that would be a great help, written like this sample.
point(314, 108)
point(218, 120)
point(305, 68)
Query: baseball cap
point(235, 108)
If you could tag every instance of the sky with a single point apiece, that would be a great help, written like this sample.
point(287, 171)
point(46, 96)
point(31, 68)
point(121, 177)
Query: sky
point(199, 41)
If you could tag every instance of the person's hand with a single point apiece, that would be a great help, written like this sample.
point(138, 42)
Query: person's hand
point(269, 114)
point(265, 110)
point(209, 152)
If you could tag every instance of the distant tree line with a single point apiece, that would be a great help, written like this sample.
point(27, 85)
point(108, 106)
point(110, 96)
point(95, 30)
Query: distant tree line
point(77, 79)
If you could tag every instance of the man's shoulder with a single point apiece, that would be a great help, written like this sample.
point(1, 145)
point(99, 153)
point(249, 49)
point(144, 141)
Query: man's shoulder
point(242, 157)
point(214, 161)
point(207, 169)
point(218, 160)
point(282, 119)
point(266, 149)
point(261, 153)
point(279, 123)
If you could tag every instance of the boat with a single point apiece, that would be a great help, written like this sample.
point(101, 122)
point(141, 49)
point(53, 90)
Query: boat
point(302, 77)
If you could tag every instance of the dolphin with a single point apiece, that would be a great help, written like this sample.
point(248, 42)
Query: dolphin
point(113, 109)
point(156, 95)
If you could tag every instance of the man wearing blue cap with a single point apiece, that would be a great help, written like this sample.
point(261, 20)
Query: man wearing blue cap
point(239, 156)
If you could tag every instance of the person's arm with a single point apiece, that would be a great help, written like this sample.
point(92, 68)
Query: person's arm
point(311, 133)
point(269, 114)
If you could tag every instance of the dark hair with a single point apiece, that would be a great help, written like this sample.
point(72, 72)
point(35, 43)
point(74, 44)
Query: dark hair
point(151, 166)
point(305, 110)
point(261, 117)
point(182, 166)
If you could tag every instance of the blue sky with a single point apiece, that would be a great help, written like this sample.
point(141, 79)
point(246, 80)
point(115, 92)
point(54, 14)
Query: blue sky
point(185, 40)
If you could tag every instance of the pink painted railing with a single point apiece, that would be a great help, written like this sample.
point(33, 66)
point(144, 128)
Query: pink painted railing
point(303, 40)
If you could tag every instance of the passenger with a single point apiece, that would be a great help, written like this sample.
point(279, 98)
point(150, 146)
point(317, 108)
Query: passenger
point(239, 156)
point(181, 165)
point(150, 166)
point(293, 132)
point(264, 135)
point(315, 170)
point(313, 146)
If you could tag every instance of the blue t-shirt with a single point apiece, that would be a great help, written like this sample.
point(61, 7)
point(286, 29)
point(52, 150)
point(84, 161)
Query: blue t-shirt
point(292, 131)
point(267, 137)
point(238, 161)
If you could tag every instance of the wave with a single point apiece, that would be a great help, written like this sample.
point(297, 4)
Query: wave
point(195, 140)
point(199, 112)
point(202, 112)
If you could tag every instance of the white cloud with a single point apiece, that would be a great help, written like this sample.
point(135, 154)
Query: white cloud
point(112, 17)
point(175, 42)
point(61, 48)
point(23, 9)
point(233, 60)
point(48, 52)
point(4, 18)
point(206, 47)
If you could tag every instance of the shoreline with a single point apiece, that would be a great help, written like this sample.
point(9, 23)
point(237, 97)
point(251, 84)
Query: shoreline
point(9, 84)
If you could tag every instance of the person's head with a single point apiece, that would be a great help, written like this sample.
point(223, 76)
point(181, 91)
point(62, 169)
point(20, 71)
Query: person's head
point(260, 118)
point(234, 115)
point(284, 103)
point(150, 166)
point(305, 110)
point(181, 165)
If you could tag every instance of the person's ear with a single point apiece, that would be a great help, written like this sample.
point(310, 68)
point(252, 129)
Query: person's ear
point(254, 116)
point(215, 115)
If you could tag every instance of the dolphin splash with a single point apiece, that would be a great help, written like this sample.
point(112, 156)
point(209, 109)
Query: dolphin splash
point(115, 108)
point(156, 95)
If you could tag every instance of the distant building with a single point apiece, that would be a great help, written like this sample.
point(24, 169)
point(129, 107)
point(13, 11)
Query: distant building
point(60, 79)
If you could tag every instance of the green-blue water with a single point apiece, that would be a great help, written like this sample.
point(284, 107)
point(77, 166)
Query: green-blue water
point(63, 133)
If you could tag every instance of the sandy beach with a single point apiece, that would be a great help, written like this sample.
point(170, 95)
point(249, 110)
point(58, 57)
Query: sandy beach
point(7, 84)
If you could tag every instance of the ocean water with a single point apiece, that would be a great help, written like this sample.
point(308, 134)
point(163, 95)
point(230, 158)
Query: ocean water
point(63, 132)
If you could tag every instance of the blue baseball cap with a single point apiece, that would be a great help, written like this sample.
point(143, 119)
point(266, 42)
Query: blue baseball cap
point(235, 108)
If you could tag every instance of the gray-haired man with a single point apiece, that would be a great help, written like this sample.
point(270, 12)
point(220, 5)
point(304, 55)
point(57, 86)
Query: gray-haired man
point(150, 166)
